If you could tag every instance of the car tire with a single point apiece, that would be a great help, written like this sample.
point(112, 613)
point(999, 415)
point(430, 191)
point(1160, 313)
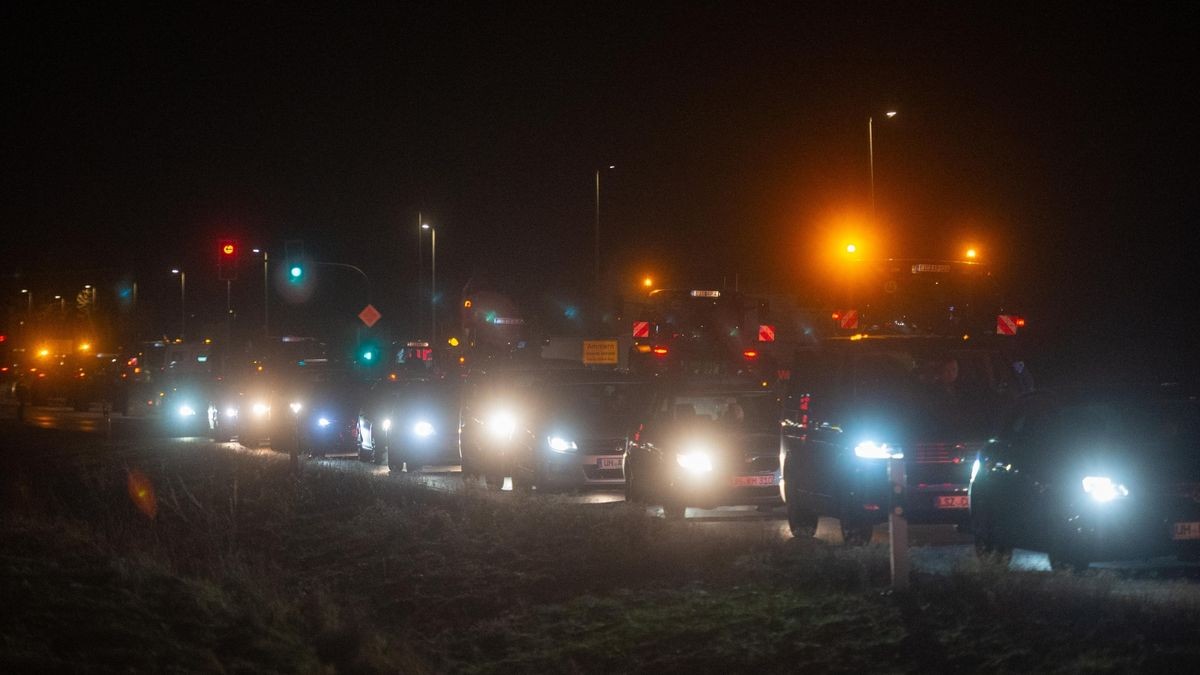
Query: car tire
point(633, 490)
point(802, 522)
point(856, 532)
point(494, 481)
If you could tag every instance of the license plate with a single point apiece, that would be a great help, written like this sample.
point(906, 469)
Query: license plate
point(753, 481)
point(1186, 531)
point(954, 502)
point(603, 463)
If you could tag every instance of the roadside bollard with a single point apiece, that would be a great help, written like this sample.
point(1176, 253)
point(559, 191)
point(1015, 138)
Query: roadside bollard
point(898, 525)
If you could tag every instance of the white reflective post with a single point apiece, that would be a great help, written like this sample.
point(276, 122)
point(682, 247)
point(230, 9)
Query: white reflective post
point(898, 526)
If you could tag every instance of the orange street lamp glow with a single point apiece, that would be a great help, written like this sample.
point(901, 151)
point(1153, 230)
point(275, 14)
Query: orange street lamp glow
point(972, 253)
point(851, 248)
point(647, 282)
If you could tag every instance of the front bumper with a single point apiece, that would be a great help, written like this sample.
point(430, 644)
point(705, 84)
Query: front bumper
point(1131, 529)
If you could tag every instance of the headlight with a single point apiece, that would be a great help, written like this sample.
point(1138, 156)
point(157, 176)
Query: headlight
point(696, 461)
point(323, 422)
point(186, 411)
point(296, 407)
point(386, 425)
point(231, 412)
point(873, 450)
point(560, 444)
point(1103, 489)
point(260, 409)
point(423, 429)
point(502, 425)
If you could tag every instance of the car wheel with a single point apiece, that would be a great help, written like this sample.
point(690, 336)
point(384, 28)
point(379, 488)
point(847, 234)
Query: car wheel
point(856, 532)
point(673, 510)
point(988, 543)
point(1068, 561)
point(494, 481)
point(802, 522)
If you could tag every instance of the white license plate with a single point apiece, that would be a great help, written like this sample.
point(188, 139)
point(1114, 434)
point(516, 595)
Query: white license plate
point(954, 502)
point(1186, 531)
point(603, 463)
point(753, 481)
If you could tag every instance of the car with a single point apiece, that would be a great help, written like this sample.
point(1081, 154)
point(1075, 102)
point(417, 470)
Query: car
point(705, 444)
point(548, 427)
point(188, 406)
point(856, 402)
point(246, 408)
point(1092, 474)
point(409, 423)
point(324, 400)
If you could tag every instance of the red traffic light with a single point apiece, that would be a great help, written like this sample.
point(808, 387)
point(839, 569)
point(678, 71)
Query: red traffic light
point(228, 249)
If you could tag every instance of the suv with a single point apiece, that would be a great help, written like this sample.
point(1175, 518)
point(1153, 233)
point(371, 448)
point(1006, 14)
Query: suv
point(856, 402)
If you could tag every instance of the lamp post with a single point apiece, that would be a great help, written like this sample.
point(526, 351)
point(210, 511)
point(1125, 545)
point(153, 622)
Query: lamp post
point(432, 283)
point(598, 226)
point(182, 302)
point(871, 154)
point(421, 227)
point(62, 303)
point(266, 292)
point(29, 305)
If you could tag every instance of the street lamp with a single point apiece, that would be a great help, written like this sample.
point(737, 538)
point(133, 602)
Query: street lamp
point(871, 154)
point(266, 291)
point(62, 303)
point(29, 295)
point(182, 302)
point(432, 282)
point(598, 226)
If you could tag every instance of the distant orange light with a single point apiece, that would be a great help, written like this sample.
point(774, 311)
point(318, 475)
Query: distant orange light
point(462, 360)
point(1020, 322)
point(836, 315)
point(467, 304)
point(647, 282)
point(392, 376)
point(659, 351)
point(750, 354)
point(972, 253)
point(851, 248)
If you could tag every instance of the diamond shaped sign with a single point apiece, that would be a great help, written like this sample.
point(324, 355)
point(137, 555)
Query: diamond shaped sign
point(369, 315)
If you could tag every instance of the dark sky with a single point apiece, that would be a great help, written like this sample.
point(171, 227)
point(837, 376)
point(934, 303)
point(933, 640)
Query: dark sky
point(1063, 139)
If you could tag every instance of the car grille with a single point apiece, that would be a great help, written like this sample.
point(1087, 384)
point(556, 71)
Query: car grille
point(939, 453)
point(601, 446)
point(761, 464)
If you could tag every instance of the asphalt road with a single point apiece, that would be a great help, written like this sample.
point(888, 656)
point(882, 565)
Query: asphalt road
point(934, 549)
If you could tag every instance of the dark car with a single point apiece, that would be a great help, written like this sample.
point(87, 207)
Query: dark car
point(705, 445)
point(188, 405)
point(547, 427)
point(855, 403)
point(410, 423)
point(1092, 475)
point(323, 404)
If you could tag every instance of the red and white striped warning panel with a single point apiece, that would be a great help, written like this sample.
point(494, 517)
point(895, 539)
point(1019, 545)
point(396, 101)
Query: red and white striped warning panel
point(848, 319)
point(766, 333)
point(1006, 324)
point(641, 329)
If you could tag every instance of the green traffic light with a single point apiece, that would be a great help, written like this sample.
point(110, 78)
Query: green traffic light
point(296, 271)
point(368, 355)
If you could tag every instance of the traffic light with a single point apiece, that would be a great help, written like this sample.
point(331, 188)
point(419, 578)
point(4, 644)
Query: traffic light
point(227, 258)
point(293, 260)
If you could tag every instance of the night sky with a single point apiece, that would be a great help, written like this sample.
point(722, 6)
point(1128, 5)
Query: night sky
point(1062, 141)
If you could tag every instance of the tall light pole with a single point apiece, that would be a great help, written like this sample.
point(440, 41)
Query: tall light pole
point(871, 154)
point(421, 227)
point(598, 227)
point(182, 302)
point(266, 292)
point(29, 295)
point(432, 283)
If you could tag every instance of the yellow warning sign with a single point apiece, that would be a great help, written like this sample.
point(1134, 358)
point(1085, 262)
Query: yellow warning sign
point(599, 352)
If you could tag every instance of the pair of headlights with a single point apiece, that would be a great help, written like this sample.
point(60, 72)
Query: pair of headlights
point(258, 410)
point(502, 425)
point(421, 429)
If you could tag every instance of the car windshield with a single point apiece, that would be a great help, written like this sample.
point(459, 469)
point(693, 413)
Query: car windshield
point(609, 401)
point(745, 412)
point(1170, 426)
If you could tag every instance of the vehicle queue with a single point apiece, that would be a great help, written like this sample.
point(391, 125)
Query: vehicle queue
point(693, 418)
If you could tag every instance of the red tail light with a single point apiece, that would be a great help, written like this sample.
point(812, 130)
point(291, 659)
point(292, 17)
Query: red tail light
point(659, 351)
point(750, 354)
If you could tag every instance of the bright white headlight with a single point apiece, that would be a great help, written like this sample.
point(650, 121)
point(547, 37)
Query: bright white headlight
point(696, 461)
point(423, 429)
point(560, 444)
point(323, 422)
point(295, 406)
point(260, 409)
point(231, 412)
point(386, 425)
point(186, 411)
point(873, 450)
point(1103, 489)
point(502, 424)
